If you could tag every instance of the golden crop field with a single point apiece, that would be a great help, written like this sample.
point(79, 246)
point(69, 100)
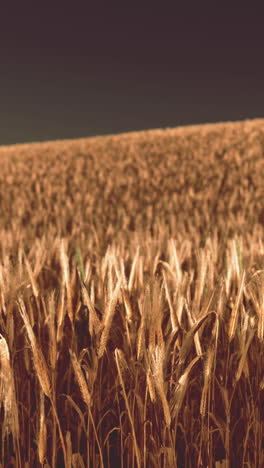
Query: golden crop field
point(132, 299)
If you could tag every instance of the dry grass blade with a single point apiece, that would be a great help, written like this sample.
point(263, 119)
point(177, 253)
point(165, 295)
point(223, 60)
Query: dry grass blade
point(181, 388)
point(192, 321)
point(64, 264)
point(60, 315)
point(259, 305)
point(52, 332)
point(141, 342)
point(235, 257)
point(244, 355)
point(42, 438)
point(69, 449)
point(127, 304)
point(77, 461)
point(234, 313)
point(133, 271)
point(202, 269)
point(188, 340)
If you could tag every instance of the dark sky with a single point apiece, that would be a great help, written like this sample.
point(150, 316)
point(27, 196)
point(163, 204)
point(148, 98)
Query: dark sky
point(83, 71)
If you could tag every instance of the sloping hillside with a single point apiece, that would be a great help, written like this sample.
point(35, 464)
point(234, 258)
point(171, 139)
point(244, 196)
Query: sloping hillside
point(192, 179)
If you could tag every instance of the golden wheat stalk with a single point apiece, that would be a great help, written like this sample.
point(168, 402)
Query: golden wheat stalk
point(141, 331)
point(207, 378)
point(119, 359)
point(94, 322)
point(108, 317)
point(38, 358)
point(7, 391)
point(127, 304)
point(42, 437)
point(156, 365)
point(86, 395)
point(133, 271)
point(150, 385)
point(174, 260)
point(66, 277)
point(32, 278)
point(80, 379)
point(173, 314)
point(202, 270)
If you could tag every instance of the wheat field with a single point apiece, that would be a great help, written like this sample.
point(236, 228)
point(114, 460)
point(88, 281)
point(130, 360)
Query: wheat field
point(132, 299)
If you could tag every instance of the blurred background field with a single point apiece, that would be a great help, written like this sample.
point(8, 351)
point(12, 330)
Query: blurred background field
point(190, 179)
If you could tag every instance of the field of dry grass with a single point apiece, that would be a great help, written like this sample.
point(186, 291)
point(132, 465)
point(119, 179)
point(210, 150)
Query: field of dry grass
point(132, 300)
